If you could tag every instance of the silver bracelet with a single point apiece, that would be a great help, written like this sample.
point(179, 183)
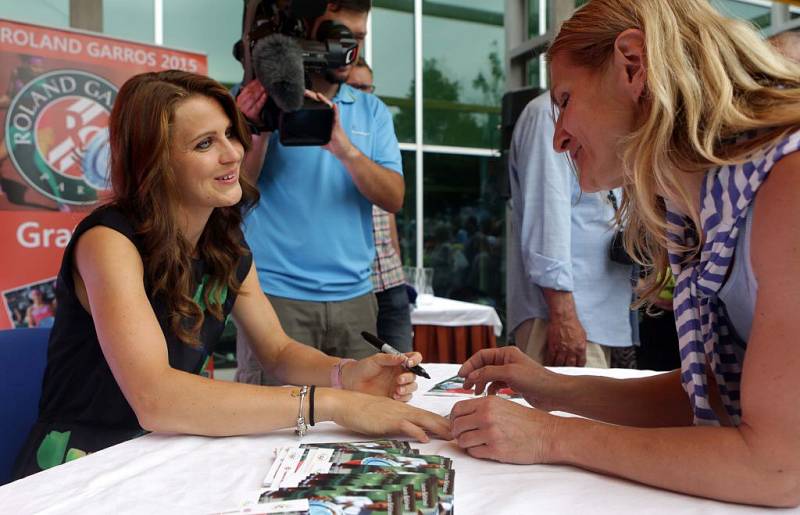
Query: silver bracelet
point(301, 428)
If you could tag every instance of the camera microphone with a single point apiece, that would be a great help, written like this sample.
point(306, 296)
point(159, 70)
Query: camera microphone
point(278, 64)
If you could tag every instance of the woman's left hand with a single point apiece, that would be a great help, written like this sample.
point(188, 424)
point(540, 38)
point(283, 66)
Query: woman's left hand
point(383, 374)
point(501, 430)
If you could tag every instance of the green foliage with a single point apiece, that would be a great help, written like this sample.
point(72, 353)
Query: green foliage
point(492, 86)
point(446, 119)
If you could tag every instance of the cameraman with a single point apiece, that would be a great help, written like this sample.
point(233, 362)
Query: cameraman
point(311, 232)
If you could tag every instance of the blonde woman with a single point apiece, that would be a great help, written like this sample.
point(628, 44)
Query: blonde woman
point(702, 118)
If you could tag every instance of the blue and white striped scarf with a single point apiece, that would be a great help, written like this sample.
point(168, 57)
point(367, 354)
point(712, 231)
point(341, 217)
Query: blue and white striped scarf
point(704, 333)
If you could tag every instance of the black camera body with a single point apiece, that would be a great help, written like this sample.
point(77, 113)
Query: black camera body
point(275, 50)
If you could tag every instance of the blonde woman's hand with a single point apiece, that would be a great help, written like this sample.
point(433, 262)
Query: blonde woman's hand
point(372, 415)
point(510, 367)
point(501, 430)
point(383, 374)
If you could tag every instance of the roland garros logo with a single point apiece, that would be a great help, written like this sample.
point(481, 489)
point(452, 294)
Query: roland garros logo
point(57, 134)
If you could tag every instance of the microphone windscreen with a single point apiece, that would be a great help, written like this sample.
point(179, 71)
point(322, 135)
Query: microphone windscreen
point(278, 63)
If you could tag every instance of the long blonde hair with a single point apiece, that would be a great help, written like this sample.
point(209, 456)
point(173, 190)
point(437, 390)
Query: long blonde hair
point(709, 79)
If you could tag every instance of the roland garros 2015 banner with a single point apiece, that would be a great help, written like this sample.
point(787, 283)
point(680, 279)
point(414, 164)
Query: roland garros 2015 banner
point(57, 88)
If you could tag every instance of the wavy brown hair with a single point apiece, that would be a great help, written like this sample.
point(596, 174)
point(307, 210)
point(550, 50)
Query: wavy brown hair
point(709, 80)
point(144, 189)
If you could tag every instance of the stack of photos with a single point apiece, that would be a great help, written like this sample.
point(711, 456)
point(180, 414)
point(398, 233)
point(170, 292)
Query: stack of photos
point(454, 387)
point(381, 477)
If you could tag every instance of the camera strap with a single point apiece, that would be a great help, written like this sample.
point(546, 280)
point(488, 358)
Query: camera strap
point(613, 199)
point(249, 19)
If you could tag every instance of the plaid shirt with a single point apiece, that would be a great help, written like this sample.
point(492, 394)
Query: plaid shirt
point(387, 269)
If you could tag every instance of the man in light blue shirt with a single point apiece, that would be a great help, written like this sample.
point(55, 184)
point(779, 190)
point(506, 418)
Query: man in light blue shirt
point(311, 231)
point(569, 304)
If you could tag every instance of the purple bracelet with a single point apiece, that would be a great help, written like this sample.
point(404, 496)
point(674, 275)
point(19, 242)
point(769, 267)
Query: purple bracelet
point(336, 373)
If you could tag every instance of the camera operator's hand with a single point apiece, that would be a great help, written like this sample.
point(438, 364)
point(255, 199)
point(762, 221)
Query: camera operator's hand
point(251, 100)
point(380, 185)
point(339, 145)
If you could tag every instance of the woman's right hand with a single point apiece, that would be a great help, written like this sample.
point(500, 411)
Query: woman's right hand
point(373, 415)
point(510, 367)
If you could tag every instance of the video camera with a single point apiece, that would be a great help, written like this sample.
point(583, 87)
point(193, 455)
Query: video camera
point(274, 49)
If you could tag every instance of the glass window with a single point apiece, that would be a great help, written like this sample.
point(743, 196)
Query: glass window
point(52, 13)
point(495, 6)
point(129, 20)
point(537, 72)
point(393, 65)
point(538, 22)
point(407, 217)
point(462, 83)
point(207, 26)
point(759, 15)
point(465, 228)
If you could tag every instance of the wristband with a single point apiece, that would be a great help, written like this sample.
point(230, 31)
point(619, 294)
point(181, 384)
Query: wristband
point(255, 128)
point(336, 373)
point(311, 405)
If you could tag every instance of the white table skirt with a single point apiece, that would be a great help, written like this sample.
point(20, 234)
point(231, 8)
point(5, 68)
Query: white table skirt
point(189, 474)
point(455, 313)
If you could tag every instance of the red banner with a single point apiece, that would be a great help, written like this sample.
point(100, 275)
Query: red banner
point(57, 89)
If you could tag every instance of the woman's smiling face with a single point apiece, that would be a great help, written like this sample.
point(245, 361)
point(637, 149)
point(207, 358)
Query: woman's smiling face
point(595, 110)
point(205, 155)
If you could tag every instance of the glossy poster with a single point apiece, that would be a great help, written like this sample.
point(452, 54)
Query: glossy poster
point(57, 89)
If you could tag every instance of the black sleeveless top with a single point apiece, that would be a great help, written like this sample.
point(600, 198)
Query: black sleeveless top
point(82, 408)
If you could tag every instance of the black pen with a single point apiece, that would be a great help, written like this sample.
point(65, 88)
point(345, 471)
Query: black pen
point(388, 349)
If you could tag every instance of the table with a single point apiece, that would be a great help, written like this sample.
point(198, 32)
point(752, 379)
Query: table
point(450, 331)
point(179, 474)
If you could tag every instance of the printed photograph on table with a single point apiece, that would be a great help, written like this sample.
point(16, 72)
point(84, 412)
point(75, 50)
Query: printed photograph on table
point(341, 500)
point(375, 446)
point(432, 487)
point(390, 459)
point(454, 387)
point(367, 482)
point(361, 477)
point(294, 464)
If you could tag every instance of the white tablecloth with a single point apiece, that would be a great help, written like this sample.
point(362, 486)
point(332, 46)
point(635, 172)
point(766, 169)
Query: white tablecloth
point(455, 313)
point(188, 474)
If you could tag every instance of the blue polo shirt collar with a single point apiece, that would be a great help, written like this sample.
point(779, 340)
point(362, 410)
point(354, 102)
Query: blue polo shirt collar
point(345, 95)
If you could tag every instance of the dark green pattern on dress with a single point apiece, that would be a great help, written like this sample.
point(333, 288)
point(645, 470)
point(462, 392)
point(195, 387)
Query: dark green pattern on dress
point(216, 297)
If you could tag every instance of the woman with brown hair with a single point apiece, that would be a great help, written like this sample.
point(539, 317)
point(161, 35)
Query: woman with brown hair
point(148, 281)
point(698, 119)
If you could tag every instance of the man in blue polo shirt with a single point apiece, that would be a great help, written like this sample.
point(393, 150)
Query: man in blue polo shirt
point(311, 232)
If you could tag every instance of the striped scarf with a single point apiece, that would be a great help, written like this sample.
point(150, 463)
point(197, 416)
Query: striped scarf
point(705, 335)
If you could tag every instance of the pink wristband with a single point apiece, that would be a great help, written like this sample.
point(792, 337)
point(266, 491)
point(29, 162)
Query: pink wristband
point(336, 373)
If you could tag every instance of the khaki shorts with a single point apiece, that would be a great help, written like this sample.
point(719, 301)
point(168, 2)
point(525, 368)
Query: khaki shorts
point(332, 327)
point(531, 338)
